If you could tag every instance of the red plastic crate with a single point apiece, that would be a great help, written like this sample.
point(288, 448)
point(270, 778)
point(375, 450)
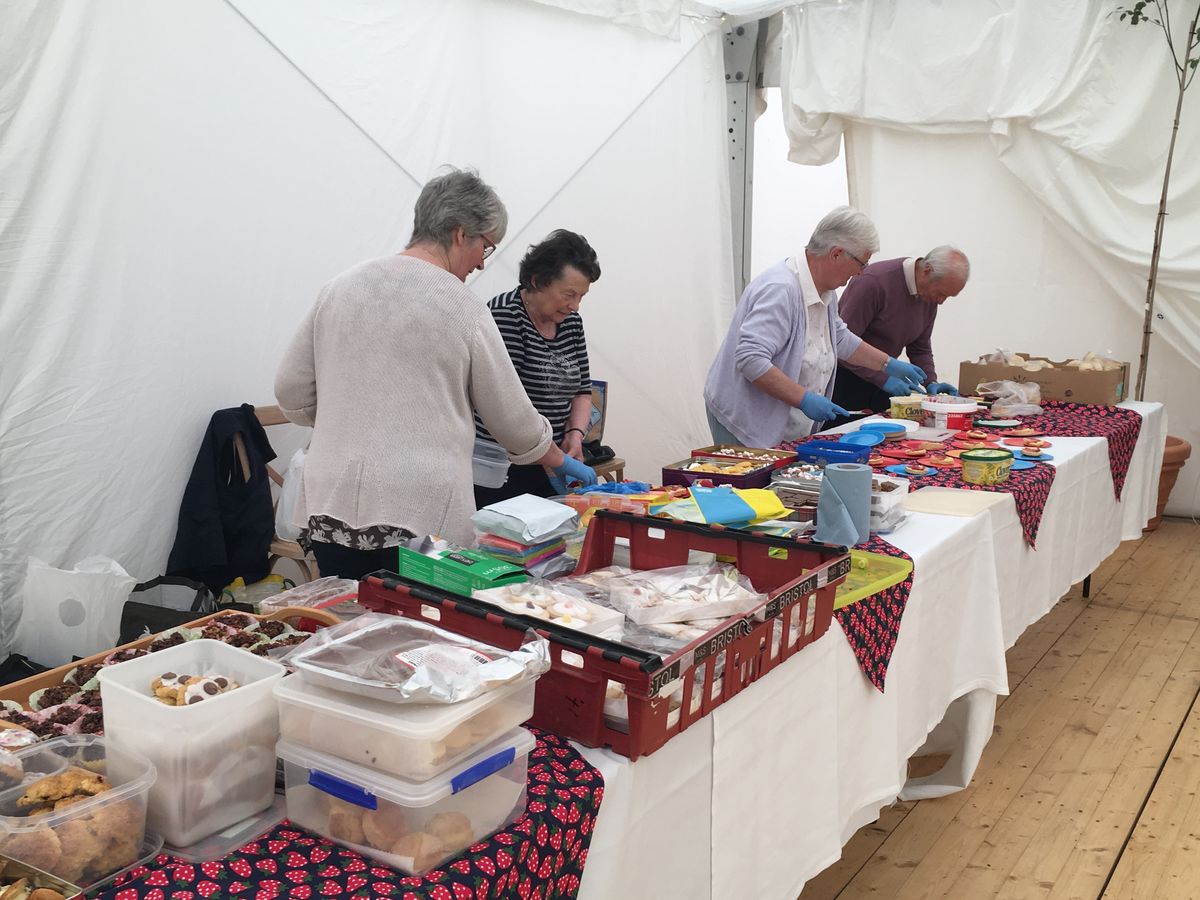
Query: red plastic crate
point(797, 577)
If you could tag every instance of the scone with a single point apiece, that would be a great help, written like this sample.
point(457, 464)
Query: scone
point(453, 830)
point(384, 826)
point(345, 823)
point(425, 850)
point(39, 848)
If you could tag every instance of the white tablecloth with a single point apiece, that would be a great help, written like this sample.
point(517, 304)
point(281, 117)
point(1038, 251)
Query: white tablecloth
point(760, 796)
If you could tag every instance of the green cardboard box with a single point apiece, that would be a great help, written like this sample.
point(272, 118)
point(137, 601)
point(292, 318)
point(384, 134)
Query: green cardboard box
point(460, 571)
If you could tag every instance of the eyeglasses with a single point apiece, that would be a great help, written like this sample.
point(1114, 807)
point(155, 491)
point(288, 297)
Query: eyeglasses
point(488, 246)
point(861, 264)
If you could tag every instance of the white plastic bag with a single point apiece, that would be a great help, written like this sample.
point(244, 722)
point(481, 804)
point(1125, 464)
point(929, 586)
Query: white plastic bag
point(1012, 398)
point(284, 526)
point(76, 612)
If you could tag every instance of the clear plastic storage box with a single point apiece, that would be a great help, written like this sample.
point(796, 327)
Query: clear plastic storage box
point(215, 759)
point(489, 464)
point(411, 826)
point(86, 840)
point(415, 741)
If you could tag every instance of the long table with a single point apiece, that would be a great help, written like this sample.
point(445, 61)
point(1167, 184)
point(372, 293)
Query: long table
point(760, 796)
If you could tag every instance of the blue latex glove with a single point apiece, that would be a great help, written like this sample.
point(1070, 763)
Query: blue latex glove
point(897, 387)
point(905, 371)
point(572, 470)
point(941, 387)
point(820, 408)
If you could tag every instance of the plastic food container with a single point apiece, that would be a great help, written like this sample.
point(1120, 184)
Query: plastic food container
point(759, 475)
point(489, 464)
point(87, 840)
point(777, 458)
point(952, 412)
point(870, 573)
point(908, 407)
point(834, 451)
point(411, 826)
point(884, 500)
point(414, 742)
point(402, 661)
point(215, 759)
point(986, 466)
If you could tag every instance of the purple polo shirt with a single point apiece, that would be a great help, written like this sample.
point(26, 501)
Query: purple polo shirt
point(877, 306)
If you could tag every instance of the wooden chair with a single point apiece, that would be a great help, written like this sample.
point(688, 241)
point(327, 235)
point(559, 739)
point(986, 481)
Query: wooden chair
point(613, 470)
point(280, 549)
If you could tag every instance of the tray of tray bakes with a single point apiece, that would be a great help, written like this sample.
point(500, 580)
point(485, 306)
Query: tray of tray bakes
point(66, 700)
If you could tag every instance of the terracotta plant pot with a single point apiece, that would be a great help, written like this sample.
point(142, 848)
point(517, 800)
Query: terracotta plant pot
point(1174, 456)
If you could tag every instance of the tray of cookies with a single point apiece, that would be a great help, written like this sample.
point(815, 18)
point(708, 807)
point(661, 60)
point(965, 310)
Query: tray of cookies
point(78, 811)
point(408, 825)
point(203, 712)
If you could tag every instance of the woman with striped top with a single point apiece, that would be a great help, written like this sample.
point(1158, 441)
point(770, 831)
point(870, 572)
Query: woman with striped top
point(541, 327)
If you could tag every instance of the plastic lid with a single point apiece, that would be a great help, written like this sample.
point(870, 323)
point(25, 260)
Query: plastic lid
point(362, 786)
point(987, 455)
point(413, 721)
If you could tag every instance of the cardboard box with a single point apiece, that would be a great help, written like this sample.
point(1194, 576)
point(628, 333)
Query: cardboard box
point(1063, 382)
point(460, 571)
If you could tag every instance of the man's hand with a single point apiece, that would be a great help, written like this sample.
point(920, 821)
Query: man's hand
point(942, 387)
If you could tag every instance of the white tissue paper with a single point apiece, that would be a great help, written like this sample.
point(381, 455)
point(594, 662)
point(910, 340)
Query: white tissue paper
point(527, 519)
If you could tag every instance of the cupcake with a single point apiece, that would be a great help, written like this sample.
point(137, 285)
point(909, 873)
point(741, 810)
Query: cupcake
point(52, 696)
point(125, 655)
point(81, 675)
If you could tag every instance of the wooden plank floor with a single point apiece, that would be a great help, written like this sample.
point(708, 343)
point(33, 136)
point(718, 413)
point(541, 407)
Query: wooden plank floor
point(1090, 786)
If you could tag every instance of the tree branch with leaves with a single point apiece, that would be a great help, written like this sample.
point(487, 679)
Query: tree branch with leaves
point(1185, 55)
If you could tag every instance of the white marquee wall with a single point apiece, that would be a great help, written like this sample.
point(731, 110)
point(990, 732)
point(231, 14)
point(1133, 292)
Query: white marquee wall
point(178, 180)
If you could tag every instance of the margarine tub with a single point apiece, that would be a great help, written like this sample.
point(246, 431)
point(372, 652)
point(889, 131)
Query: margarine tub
point(986, 466)
point(908, 407)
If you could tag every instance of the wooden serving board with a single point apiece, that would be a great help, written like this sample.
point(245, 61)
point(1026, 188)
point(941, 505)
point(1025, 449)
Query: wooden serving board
point(20, 691)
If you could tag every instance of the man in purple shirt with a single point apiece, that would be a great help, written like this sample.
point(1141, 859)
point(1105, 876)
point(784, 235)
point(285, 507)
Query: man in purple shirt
point(892, 305)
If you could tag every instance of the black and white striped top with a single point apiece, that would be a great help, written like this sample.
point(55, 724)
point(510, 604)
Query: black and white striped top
point(553, 371)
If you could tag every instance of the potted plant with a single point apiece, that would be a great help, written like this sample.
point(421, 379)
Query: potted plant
point(1184, 48)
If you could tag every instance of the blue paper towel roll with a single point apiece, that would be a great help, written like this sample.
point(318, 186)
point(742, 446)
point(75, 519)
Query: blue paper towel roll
point(844, 507)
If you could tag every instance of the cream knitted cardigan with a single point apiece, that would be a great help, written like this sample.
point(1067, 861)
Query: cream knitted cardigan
point(396, 352)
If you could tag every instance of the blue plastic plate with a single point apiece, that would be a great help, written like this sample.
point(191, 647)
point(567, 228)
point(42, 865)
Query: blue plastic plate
point(885, 427)
point(900, 470)
point(1019, 464)
point(862, 438)
point(1017, 454)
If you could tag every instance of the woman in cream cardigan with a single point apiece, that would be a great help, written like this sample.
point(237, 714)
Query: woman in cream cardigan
point(386, 368)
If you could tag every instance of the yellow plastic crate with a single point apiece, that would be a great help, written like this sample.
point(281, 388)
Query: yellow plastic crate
point(870, 573)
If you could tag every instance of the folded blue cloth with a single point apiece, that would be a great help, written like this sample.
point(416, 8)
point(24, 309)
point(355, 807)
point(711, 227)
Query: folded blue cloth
point(615, 487)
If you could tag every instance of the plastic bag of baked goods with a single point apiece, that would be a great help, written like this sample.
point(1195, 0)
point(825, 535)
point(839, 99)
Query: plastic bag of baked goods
point(683, 594)
point(1012, 398)
point(405, 661)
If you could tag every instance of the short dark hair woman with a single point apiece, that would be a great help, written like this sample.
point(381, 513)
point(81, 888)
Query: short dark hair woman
point(540, 323)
